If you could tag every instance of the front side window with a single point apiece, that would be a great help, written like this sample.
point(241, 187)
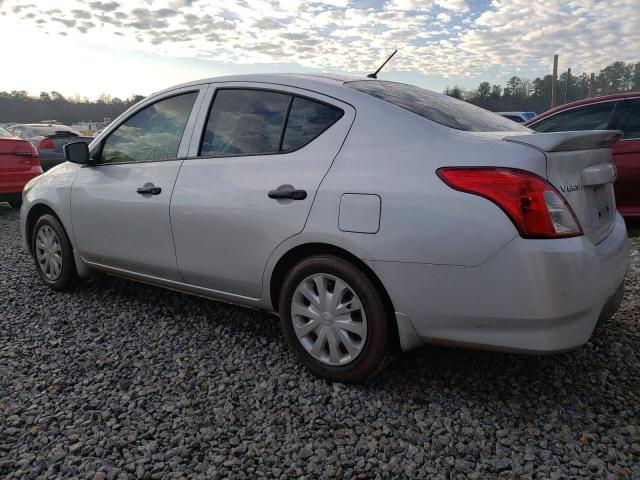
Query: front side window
point(630, 120)
point(245, 122)
point(152, 134)
point(307, 120)
point(589, 117)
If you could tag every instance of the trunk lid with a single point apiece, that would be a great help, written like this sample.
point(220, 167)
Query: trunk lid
point(579, 167)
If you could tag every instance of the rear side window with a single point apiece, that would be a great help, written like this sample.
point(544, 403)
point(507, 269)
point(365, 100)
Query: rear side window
point(437, 107)
point(514, 118)
point(245, 122)
point(307, 120)
point(630, 120)
point(263, 122)
point(151, 134)
point(18, 131)
point(589, 117)
point(5, 133)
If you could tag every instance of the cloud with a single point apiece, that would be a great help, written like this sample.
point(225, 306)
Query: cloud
point(267, 24)
point(104, 6)
point(588, 35)
point(454, 5)
point(166, 12)
point(18, 8)
point(450, 38)
point(81, 14)
point(66, 22)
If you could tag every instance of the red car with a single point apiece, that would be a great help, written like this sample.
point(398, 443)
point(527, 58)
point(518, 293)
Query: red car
point(612, 112)
point(19, 163)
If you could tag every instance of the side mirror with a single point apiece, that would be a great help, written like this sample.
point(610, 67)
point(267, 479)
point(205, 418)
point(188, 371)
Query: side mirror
point(77, 152)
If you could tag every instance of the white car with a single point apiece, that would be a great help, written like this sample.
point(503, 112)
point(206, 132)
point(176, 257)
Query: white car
point(371, 215)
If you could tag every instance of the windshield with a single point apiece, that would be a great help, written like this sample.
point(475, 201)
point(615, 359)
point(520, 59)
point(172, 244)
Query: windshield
point(59, 130)
point(437, 107)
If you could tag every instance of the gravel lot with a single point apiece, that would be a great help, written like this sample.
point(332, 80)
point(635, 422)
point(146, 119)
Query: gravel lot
point(121, 380)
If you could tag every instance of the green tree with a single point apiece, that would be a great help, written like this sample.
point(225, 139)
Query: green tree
point(635, 77)
point(455, 92)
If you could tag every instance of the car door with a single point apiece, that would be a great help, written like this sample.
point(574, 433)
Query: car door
point(120, 203)
point(626, 157)
point(250, 180)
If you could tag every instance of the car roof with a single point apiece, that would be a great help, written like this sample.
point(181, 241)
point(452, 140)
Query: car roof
point(321, 82)
point(577, 103)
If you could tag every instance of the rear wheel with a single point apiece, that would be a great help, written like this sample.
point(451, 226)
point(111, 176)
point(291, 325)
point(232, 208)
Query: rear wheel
point(334, 319)
point(53, 254)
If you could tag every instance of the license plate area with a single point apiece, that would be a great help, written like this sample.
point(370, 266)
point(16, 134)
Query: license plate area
point(602, 206)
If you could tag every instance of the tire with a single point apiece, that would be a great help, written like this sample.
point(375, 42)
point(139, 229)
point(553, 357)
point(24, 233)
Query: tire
point(53, 240)
point(368, 332)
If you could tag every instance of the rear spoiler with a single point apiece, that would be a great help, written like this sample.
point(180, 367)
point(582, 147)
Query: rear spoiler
point(62, 134)
point(565, 141)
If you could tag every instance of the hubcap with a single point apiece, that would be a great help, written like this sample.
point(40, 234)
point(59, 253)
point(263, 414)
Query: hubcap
point(329, 319)
point(49, 253)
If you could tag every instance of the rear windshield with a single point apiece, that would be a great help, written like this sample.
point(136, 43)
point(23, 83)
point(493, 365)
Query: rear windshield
point(58, 130)
point(437, 107)
point(4, 133)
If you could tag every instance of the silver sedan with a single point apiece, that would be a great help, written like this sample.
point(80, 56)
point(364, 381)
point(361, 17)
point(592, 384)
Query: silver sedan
point(372, 216)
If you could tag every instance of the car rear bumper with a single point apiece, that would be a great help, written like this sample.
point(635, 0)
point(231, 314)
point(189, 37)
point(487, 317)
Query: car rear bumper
point(12, 183)
point(49, 159)
point(531, 296)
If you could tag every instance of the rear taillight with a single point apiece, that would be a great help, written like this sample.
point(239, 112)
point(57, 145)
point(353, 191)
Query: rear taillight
point(27, 150)
point(46, 144)
point(534, 206)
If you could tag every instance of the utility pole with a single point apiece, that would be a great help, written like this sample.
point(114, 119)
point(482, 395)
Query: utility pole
point(567, 82)
point(554, 83)
point(592, 82)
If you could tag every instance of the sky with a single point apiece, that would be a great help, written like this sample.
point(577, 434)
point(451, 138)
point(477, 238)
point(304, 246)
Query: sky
point(122, 47)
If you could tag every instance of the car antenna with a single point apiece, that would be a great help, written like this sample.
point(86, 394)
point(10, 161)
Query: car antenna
point(375, 74)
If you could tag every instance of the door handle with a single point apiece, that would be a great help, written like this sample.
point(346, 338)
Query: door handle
point(149, 189)
point(288, 193)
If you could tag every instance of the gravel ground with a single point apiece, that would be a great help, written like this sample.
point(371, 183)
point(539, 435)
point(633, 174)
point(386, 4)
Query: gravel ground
point(120, 380)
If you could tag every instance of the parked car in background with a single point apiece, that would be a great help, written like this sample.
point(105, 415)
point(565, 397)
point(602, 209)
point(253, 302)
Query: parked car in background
point(371, 215)
point(19, 163)
point(611, 112)
point(519, 117)
point(48, 138)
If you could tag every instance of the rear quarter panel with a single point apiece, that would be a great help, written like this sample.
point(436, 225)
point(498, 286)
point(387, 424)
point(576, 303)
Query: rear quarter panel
point(394, 154)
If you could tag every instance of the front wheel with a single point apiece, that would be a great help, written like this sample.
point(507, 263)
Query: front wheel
point(334, 319)
point(53, 254)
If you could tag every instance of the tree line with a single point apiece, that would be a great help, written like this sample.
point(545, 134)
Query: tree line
point(522, 94)
point(20, 107)
point(519, 94)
